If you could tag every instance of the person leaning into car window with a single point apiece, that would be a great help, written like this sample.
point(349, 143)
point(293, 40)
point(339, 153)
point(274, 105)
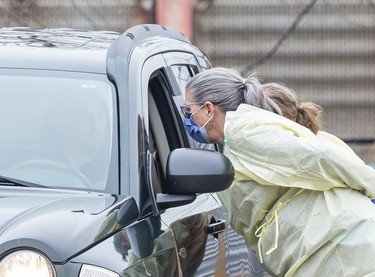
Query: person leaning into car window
point(301, 204)
point(76, 133)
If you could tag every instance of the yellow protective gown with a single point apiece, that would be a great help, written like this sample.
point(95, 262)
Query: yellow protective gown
point(301, 202)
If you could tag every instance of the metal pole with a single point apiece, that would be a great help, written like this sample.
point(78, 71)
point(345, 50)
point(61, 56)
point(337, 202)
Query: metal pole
point(175, 13)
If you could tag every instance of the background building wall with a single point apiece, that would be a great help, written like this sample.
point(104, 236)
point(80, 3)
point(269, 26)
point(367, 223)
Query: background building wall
point(111, 15)
point(323, 49)
point(328, 58)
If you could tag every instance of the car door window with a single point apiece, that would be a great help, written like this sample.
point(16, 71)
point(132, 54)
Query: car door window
point(186, 230)
point(182, 73)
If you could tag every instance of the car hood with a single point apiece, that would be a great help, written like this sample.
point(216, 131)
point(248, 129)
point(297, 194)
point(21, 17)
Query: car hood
point(58, 223)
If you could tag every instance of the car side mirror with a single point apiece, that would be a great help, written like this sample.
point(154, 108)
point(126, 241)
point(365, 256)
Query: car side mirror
point(192, 171)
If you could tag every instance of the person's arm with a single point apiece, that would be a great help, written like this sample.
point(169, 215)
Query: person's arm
point(272, 151)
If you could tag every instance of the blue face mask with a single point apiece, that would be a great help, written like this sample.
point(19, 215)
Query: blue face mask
point(199, 134)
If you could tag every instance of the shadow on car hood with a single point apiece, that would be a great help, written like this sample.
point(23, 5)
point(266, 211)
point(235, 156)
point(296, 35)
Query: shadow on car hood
point(59, 223)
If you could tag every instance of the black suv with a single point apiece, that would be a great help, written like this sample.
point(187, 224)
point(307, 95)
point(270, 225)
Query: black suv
point(97, 174)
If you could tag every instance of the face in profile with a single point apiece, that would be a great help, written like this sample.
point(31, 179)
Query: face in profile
point(76, 131)
point(82, 127)
point(87, 126)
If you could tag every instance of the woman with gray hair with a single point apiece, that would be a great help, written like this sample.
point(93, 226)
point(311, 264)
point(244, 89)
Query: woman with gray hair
point(301, 204)
point(220, 90)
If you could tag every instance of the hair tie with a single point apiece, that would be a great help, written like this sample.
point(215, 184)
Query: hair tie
point(243, 84)
point(300, 112)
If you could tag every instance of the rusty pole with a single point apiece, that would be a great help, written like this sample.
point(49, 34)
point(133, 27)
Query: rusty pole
point(175, 13)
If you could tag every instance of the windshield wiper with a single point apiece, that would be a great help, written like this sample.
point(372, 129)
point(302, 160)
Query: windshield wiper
point(8, 181)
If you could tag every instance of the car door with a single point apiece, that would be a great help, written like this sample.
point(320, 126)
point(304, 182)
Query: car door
point(172, 239)
point(176, 235)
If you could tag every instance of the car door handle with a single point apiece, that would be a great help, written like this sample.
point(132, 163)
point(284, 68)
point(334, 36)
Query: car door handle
point(215, 227)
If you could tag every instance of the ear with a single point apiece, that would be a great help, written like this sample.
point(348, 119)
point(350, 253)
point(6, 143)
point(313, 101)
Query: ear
point(209, 107)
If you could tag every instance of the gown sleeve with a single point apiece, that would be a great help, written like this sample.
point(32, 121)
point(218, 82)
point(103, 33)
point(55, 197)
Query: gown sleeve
point(273, 150)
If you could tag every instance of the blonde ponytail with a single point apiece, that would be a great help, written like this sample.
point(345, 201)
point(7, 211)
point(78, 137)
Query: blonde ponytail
point(307, 114)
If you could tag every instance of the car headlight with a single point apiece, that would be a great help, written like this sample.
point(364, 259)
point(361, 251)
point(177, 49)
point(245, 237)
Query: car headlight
point(94, 271)
point(26, 263)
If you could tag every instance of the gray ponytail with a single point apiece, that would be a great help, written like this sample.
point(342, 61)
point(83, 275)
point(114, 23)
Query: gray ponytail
point(226, 89)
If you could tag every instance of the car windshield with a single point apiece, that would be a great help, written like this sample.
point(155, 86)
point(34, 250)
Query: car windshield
point(56, 131)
